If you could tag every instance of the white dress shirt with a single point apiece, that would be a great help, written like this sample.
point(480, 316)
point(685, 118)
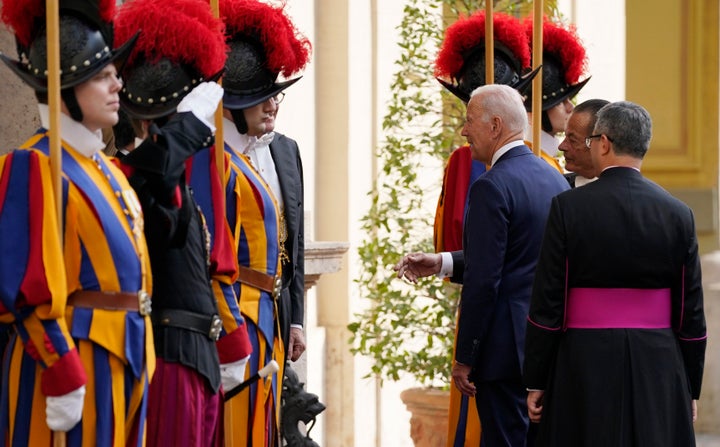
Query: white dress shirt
point(258, 151)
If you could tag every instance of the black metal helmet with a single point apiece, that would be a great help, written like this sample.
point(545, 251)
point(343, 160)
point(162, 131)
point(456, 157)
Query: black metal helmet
point(264, 43)
point(462, 55)
point(86, 41)
point(169, 60)
point(247, 79)
point(564, 63)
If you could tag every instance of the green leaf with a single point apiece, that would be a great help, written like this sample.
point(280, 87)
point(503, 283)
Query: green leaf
point(409, 329)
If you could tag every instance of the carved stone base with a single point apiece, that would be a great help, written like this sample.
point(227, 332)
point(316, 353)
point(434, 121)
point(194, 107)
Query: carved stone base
point(298, 406)
point(429, 420)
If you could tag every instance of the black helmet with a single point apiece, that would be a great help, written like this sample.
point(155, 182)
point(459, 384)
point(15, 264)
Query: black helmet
point(247, 79)
point(263, 43)
point(168, 61)
point(462, 55)
point(564, 62)
point(86, 42)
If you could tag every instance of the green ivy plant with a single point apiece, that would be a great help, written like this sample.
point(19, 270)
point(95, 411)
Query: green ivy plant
point(408, 329)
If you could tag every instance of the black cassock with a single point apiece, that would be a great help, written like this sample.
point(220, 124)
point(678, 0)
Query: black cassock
point(615, 386)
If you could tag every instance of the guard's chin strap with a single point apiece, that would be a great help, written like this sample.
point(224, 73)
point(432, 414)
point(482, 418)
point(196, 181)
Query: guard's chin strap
point(239, 120)
point(545, 123)
point(68, 97)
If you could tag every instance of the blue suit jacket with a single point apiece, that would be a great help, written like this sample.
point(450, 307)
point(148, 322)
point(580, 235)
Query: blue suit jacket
point(504, 226)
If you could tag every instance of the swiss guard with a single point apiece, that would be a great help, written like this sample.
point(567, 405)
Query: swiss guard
point(80, 358)
point(564, 65)
point(263, 44)
point(170, 93)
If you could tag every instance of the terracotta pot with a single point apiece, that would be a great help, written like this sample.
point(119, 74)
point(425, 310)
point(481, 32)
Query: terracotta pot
point(429, 420)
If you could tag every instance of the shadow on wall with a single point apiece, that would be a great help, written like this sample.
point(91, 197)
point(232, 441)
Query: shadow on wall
point(18, 114)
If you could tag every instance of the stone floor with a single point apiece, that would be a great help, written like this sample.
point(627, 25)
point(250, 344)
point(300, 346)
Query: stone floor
point(708, 441)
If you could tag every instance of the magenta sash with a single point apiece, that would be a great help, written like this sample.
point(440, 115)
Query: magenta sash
point(589, 308)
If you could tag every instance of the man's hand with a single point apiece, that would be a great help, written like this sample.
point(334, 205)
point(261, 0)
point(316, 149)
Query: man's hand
point(461, 377)
point(418, 265)
point(535, 405)
point(694, 410)
point(296, 343)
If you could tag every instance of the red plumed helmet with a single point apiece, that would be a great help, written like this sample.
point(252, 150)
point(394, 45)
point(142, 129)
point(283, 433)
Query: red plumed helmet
point(264, 43)
point(81, 21)
point(181, 44)
point(564, 63)
point(462, 55)
point(25, 18)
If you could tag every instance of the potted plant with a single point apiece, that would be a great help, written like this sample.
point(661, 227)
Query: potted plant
point(409, 330)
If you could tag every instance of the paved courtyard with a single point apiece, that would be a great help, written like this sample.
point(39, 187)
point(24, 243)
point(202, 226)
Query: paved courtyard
point(708, 441)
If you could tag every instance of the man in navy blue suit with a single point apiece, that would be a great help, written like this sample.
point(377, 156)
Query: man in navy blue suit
point(507, 209)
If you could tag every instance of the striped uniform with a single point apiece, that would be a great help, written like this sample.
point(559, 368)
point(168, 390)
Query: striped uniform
point(252, 217)
point(202, 176)
point(56, 348)
point(552, 161)
point(460, 172)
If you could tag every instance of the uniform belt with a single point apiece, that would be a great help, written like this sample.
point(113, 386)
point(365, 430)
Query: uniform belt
point(260, 280)
point(208, 325)
point(139, 302)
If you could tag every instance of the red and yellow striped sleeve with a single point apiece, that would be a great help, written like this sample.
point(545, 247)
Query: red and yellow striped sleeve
point(219, 198)
point(35, 289)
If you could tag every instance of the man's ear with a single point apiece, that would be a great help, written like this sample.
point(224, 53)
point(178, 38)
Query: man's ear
point(497, 125)
point(604, 145)
point(144, 128)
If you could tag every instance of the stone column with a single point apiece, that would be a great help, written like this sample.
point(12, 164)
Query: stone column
point(320, 258)
point(332, 61)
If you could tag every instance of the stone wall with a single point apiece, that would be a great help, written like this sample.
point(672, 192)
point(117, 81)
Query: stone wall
point(18, 114)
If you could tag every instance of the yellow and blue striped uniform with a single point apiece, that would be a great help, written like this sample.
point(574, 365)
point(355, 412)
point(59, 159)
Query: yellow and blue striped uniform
point(257, 232)
point(55, 348)
point(253, 219)
point(208, 191)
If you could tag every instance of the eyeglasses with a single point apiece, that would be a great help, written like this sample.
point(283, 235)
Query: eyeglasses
point(277, 99)
point(589, 139)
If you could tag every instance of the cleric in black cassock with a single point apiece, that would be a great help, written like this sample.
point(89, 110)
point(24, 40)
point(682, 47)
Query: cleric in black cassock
point(616, 333)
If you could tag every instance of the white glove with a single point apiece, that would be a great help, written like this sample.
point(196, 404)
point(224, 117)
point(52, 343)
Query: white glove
point(202, 101)
point(233, 374)
point(63, 412)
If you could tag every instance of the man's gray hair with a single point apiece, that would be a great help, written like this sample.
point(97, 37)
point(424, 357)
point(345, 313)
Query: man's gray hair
point(627, 125)
point(505, 102)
